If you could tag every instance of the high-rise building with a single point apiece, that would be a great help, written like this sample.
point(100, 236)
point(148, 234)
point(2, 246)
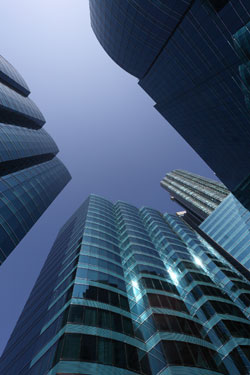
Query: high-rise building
point(229, 226)
point(211, 210)
point(192, 57)
point(200, 196)
point(31, 176)
point(127, 291)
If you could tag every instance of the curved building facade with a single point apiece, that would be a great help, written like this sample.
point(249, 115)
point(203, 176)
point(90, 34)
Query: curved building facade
point(192, 57)
point(127, 291)
point(31, 176)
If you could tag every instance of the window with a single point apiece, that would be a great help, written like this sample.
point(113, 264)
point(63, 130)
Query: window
point(186, 354)
point(90, 316)
point(104, 319)
point(88, 348)
point(128, 326)
point(75, 314)
point(91, 293)
point(119, 357)
point(238, 329)
point(114, 299)
point(117, 322)
point(171, 323)
point(103, 295)
point(245, 298)
point(71, 347)
point(246, 351)
point(132, 358)
point(171, 353)
point(105, 352)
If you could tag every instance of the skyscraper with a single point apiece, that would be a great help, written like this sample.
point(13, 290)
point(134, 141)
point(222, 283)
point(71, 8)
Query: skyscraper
point(31, 176)
point(229, 226)
point(127, 291)
point(192, 57)
point(198, 195)
point(212, 211)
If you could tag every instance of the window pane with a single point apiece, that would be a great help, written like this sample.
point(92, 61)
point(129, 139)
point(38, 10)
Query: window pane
point(105, 351)
point(132, 358)
point(171, 353)
point(116, 322)
point(128, 326)
point(91, 293)
point(114, 299)
point(103, 296)
point(119, 358)
point(71, 347)
point(88, 348)
point(90, 318)
point(104, 319)
point(75, 314)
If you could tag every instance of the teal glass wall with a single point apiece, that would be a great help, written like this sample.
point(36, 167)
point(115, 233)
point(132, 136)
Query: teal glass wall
point(31, 176)
point(229, 226)
point(192, 57)
point(128, 291)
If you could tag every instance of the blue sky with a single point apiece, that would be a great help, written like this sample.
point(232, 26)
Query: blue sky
point(112, 140)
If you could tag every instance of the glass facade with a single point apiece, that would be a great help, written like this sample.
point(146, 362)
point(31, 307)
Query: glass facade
point(128, 291)
point(229, 226)
point(192, 57)
point(200, 196)
point(10, 77)
point(31, 176)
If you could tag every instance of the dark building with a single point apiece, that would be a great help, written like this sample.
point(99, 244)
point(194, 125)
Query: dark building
point(31, 176)
point(200, 196)
point(192, 57)
point(127, 291)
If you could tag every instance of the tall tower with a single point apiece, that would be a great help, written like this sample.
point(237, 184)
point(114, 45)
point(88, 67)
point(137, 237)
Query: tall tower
point(229, 226)
point(192, 57)
point(200, 196)
point(127, 291)
point(31, 176)
point(217, 215)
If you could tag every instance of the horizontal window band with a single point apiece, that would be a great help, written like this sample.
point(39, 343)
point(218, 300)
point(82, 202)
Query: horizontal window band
point(11, 166)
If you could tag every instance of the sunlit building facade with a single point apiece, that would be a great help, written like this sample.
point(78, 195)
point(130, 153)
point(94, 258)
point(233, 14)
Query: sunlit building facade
point(192, 57)
point(127, 291)
point(200, 196)
point(31, 176)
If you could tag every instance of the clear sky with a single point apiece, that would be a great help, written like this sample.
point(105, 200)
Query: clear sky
point(112, 140)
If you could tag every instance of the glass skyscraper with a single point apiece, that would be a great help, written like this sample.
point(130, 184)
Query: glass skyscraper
point(200, 196)
point(229, 226)
point(127, 291)
point(192, 57)
point(210, 209)
point(31, 176)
